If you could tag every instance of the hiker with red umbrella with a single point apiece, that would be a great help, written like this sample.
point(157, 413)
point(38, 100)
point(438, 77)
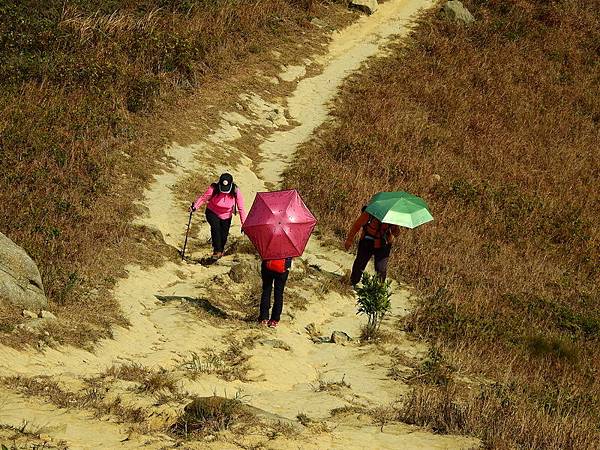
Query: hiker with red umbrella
point(279, 225)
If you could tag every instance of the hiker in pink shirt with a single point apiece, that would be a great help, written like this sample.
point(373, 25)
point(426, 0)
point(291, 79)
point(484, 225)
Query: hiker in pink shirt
point(222, 199)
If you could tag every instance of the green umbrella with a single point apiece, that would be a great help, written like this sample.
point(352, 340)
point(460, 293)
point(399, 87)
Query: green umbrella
point(399, 208)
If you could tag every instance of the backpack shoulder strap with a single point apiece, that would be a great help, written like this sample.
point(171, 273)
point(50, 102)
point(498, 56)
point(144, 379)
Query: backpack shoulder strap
point(234, 190)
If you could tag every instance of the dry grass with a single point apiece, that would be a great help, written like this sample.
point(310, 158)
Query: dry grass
point(149, 381)
point(323, 385)
point(82, 87)
point(496, 126)
point(229, 364)
point(91, 399)
point(206, 415)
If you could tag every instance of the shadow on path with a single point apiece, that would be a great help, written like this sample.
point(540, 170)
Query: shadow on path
point(201, 303)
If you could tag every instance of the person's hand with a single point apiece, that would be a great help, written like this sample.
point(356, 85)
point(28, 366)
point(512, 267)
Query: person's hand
point(192, 208)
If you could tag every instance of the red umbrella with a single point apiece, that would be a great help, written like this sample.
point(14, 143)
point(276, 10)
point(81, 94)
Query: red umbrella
point(279, 224)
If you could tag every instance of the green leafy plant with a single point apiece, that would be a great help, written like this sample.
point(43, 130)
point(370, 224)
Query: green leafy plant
point(374, 301)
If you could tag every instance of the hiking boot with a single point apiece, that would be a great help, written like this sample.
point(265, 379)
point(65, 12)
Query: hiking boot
point(273, 323)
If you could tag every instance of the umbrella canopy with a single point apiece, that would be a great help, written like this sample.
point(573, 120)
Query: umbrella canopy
point(399, 208)
point(279, 224)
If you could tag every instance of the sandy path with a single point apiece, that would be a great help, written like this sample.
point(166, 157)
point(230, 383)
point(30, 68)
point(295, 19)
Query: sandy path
point(163, 333)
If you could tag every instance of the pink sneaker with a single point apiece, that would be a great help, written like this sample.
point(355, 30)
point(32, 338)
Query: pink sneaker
point(273, 323)
point(264, 323)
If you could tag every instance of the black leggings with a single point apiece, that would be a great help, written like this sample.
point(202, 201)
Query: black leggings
point(219, 230)
point(366, 250)
point(270, 278)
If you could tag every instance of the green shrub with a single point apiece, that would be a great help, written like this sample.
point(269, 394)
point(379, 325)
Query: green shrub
point(374, 301)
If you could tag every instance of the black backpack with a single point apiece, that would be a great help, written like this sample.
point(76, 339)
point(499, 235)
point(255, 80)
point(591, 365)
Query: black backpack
point(233, 193)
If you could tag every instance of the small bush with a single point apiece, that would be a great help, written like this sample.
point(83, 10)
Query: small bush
point(373, 301)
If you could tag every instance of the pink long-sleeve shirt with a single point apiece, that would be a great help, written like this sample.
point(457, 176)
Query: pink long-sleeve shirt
point(222, 204)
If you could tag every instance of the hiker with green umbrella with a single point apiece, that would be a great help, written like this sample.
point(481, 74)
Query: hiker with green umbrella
point(380, 222)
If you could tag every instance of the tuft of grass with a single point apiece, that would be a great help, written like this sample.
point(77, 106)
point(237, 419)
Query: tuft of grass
point(209, 415)
point(323, 385)
point(229, 364)
point(304, 419)
point(91, 399)
point(496, 126)
point(149, 380)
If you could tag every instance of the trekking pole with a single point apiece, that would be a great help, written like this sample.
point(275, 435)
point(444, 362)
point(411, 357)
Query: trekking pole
point(186, 233)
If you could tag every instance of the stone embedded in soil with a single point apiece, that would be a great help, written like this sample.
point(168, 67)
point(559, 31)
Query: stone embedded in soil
point(455, 10)
point(339, 337)
point(20, 279)
point(47, 315)
point(34, 325)
point(29, 314)
point(367, 6)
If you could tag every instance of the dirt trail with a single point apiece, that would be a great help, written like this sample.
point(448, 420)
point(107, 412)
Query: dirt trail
point(167, 326)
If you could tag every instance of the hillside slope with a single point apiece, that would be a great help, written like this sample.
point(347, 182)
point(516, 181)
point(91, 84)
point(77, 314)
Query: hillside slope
point(192, 328)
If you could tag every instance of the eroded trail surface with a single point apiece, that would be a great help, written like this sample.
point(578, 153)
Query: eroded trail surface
point(191, 331)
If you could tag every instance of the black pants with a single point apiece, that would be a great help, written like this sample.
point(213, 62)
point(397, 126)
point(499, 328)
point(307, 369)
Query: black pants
point(270, 279)
point(366, 250)
point(219, 230)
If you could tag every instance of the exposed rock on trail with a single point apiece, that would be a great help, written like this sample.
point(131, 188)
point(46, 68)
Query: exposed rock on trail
point(20, 279)
point(367, 6)
point(455, 10)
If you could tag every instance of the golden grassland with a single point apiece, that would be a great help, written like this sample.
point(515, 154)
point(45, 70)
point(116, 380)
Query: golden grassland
point(496, 125)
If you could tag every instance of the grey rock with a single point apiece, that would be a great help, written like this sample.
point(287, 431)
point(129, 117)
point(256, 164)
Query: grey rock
point(455, 10)
point(318, 22)
point(29, 314)
point(273, 419)
point(339, 337)
point(367, 6)
point(47, 315)
point(34, 326)
point(20, 279)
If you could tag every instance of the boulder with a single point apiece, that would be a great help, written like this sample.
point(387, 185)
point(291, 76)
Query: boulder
point(339, 337)
point(455, 10)
point(318, 22)
point(367, 6)
point(34, 326)
point(47, 315)
point(20, 279)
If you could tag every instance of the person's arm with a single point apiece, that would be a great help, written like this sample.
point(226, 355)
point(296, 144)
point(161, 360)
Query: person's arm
point(358, 224)
point(239, 198)
point(394, 233)
point(203, 198)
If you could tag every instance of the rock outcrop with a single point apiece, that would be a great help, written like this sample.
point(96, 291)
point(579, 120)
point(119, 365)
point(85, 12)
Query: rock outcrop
point(455, 10)
point(20, 279)
point(367, 6)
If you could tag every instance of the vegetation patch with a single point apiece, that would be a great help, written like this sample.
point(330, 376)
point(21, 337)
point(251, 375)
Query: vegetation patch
point(209, 415)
